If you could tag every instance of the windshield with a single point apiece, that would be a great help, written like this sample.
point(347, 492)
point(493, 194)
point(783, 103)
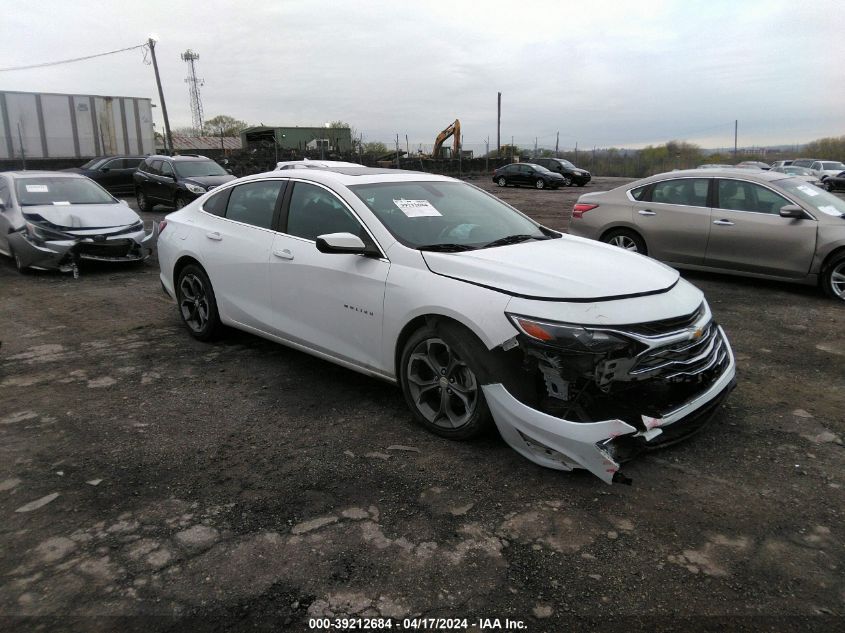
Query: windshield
point(93, 163)
point(796, 171)
point(58, 191)
point(833, 165)
point(425, 214)
point(191, 169)
point(539, 168)
point(818, 199)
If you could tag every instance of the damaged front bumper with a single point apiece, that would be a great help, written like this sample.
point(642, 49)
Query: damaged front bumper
point(65, 254)
point(600, 446)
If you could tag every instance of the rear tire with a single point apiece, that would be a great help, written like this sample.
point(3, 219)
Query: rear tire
point(502, 182)
point(540, 183)
point(439, 375)
point(197, 303)
point(625, 239)
point(833, 278)
point(180, 201)
point(828, 185)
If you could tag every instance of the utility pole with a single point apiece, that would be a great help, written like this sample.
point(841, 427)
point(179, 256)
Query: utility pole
point(499, 127)
point(23, 152)
point(397, 151)
point(557, 145)
point(407, 146)
point(460, 156)
point(736, 129)
point(168, 138)
point(511, 148)
point(576, 152)
point(535, 147)
point(487, 156)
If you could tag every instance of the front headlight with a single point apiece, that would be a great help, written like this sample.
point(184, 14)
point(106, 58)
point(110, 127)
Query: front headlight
point(574, 338)
point(194, 188)
point(38, 232)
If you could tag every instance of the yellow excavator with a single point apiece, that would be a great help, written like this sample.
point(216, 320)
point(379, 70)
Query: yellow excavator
point(453, 130)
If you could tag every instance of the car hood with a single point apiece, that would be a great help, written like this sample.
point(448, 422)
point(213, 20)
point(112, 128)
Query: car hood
point(84, 216)
point(567, 268)
point(209, 181)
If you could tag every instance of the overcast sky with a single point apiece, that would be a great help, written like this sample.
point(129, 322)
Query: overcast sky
point(612, 73)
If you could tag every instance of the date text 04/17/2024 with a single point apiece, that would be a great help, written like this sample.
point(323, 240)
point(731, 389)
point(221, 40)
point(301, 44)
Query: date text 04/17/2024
point(416, 624)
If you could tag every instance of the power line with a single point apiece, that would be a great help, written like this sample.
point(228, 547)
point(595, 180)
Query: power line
point(69, 61)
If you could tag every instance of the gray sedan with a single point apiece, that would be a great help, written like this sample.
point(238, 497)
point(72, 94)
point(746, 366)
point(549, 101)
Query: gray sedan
point(51, 220)
point(758, 224)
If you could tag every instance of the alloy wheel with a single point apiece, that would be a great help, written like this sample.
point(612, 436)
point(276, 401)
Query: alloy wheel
point(501, 182)
point(623, 241)
point(443, 388)
point(180, 202)
point(540, 184)
point(193, 302)
point(837, 280)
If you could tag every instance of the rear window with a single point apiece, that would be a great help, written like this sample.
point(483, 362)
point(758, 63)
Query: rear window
point(195, 168)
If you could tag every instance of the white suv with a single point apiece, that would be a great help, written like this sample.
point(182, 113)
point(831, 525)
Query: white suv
point(582, 354)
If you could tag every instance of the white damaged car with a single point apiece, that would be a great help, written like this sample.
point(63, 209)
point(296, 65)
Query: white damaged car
point(51, 220)
point(582, 354)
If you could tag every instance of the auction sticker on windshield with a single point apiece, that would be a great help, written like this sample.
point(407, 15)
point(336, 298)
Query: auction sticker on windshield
point(808, 190)
point(416, 208)
point(37, 189)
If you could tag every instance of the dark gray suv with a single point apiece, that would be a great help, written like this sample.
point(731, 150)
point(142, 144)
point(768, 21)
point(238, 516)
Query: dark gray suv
point(176, 180)
point(572, 175)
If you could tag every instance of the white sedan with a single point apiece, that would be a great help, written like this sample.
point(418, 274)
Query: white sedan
point(582, 354)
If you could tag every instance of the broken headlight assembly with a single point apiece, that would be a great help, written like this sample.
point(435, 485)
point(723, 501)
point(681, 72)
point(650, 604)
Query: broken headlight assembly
point(40, 233)
point(571, 338)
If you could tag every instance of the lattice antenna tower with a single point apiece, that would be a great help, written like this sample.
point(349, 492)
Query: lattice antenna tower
point(194, 84)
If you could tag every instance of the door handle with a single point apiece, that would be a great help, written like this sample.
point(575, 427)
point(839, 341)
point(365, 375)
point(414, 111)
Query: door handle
point(214, 235)
point(646, 212)
point(283, 254)
point(723, 222)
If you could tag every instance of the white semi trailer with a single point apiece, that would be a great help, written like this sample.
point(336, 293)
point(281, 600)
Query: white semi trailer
point(37, 125)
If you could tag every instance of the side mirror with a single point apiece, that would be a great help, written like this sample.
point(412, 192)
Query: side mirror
point(792, 211)
point(341, 243)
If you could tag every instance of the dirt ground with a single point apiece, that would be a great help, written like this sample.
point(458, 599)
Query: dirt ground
point(242, 484)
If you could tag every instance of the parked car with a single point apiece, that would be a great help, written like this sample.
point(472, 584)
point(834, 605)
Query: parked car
point(823, 168)
point(176, 180)
point(798, 172)
point(744, 222)
point(804, 162)
point(528, 175)
point(580, 353)
point(781, 163)
point(307, 163)
point(834, 183)
point(753, 164)
point(51, 220)
point(113, 173)
point(571, 174)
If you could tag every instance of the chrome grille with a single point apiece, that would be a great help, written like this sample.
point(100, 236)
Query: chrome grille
point(684, 359)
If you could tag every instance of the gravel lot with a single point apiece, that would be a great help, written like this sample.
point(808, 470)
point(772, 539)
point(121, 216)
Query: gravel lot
point(247, 484)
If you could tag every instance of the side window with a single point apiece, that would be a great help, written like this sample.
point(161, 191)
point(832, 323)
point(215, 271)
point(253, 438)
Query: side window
point(155, 168)
point(4, 194)
point(216, 204)
point(747, 196)
point(166, 169)
point(254, 203)
point(131, 163)
point(117, 163)
point(690, 192)
point(640, 194)
point(314, 211)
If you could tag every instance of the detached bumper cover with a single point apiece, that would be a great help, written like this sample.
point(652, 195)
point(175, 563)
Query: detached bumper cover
point(564, 445)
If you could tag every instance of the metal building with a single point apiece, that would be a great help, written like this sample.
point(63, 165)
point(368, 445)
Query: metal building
point(334, 139)
point(49, 125)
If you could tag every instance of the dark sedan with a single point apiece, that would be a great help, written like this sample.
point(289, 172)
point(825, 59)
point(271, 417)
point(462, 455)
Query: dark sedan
point(529, 175)
point(832, 183)
point(112, 173)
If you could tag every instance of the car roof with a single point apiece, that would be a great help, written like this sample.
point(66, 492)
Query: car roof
point(38, 173)
point(180, 157)
point(348, 176)
point(316, 163)
point(747, 174)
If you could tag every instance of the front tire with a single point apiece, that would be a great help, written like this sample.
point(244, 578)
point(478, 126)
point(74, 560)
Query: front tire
point(144, 203)
point(828, 185)
point(502, 182)
point(441, 384)
point(833, 278)
point(567, 181)
point(197, 303)
point(180, 201)
point(625, 239)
